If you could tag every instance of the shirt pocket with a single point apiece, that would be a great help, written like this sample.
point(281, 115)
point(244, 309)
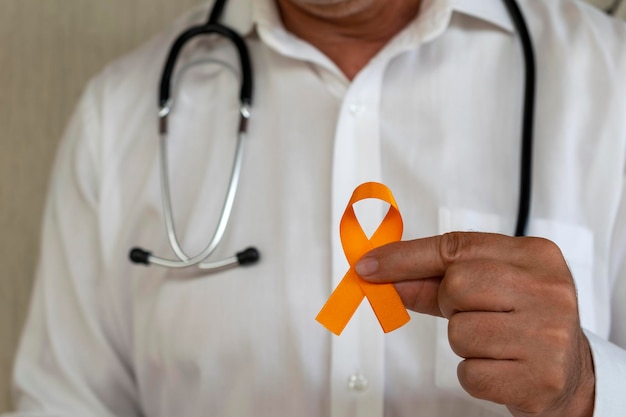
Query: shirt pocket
point(576, 244)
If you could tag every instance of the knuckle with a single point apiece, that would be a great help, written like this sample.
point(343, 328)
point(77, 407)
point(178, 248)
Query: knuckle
point(451, 289)
point(550, 389)
point(453, 281)
point(566, 293)
point(555, 382)
point(451, 246)
point(561, 338)
point(544, 248)
point(477, 384)
point(563, 294)
point(488, 386)
point(455, 336)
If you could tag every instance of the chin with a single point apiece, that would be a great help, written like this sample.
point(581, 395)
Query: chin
point(334, 8)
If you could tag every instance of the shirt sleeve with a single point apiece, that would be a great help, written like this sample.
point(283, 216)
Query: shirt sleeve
point(609, 356)
point(69, 362)
point(610, 369)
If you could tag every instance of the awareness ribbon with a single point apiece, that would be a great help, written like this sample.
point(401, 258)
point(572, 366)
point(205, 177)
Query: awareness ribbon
point(348, 295)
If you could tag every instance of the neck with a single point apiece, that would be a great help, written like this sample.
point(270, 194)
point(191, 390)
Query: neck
point(350, 33)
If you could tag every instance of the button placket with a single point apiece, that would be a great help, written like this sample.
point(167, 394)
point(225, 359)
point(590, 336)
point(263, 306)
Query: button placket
point(357, 356)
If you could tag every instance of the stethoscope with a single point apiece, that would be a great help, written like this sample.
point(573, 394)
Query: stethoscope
point(251, 255)
point(613, 7)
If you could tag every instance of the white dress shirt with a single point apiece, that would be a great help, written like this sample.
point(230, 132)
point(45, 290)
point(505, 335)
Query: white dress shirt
point(436, 116)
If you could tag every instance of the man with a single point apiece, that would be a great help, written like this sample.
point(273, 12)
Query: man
point(425, 96)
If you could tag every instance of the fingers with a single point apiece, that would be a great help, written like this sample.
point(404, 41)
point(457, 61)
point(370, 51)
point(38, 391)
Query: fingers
point(475, 271)
point(486, 335)
point(511, 336)
point(480, 286)
point(498, 381)
point(514, 360)
point(512, 310)
point(420, 296)
point(472, 286)
point(517, 383)
point(512, 383)
point(432, 256)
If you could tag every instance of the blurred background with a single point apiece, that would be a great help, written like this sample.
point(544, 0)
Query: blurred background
point(48, 51)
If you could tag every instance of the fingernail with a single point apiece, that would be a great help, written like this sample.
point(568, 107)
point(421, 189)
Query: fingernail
point(366, 266)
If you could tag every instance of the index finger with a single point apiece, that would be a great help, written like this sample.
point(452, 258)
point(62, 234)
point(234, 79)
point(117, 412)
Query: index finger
point(430, 257)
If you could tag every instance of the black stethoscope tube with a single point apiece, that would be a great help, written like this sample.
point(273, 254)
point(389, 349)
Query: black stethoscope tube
point(526, 155)
point(216, 11)
point(612, 9)
point(245, 94)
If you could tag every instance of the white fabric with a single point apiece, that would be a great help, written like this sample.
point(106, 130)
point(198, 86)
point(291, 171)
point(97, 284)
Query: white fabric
point(436, 116)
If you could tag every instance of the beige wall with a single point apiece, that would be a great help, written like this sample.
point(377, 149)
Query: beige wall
point(48, 50)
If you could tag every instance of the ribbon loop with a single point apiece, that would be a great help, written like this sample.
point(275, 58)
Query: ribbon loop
point(348, 295)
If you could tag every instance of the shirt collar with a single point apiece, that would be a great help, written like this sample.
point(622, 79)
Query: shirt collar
point(490, 11)
point(244, 15)
point(237, 14)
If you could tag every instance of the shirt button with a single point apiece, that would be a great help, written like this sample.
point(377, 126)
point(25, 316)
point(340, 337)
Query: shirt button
point(357, 382)
point(356, 109)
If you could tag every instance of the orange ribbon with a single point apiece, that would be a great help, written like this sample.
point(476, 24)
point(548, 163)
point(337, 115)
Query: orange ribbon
point(348, 295)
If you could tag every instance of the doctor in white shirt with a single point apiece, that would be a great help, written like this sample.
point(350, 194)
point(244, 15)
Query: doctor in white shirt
point(424, 96)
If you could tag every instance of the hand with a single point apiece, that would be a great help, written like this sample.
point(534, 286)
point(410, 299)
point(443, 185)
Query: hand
point(513, 316)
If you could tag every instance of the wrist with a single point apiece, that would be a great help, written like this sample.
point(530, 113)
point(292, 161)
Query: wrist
point(582, 401)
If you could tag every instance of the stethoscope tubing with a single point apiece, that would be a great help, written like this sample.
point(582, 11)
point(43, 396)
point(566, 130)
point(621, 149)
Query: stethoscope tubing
point(528, 116)
point(183, 259)
point(613, 7)
point(245, 94)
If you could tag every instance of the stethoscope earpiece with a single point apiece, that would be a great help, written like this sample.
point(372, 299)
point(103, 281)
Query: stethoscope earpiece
point(139, 256)
point(248, 256)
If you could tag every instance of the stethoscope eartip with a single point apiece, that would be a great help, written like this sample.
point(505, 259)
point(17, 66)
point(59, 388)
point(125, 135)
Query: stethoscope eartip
point(248, 256)
point(139, 256)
